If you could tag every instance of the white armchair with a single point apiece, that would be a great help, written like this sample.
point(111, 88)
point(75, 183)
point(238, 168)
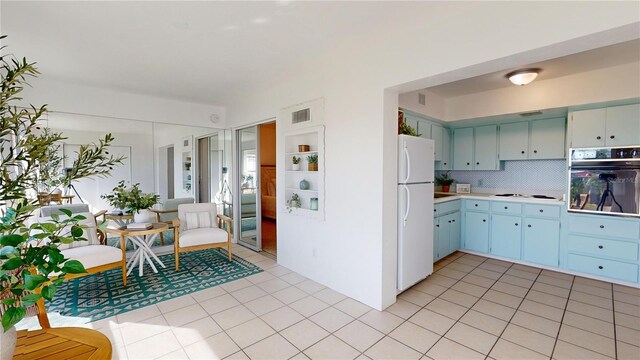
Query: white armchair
point(92, 254)
point(169, 211)
point(199, 227)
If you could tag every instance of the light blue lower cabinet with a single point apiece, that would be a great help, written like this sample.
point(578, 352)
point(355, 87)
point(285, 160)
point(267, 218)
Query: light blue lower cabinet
point(506, 236)
point(476, 235)
point(603, 267)
point(541, 241)
point(446, 237)
point(454, 232)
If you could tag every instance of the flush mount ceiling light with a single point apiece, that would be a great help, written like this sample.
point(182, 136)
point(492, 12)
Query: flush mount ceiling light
point(522, 77)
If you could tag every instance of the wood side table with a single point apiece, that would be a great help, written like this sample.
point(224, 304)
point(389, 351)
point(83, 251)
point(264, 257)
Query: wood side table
point(62, 343)
point(142, 240)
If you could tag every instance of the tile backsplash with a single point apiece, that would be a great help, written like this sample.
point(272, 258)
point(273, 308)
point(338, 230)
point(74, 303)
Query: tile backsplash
point(527, 176)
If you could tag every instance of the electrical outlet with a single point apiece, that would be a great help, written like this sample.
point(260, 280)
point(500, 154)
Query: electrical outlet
point(480, 182)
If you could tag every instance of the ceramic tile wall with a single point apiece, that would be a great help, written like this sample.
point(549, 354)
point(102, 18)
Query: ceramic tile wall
point(547, 175)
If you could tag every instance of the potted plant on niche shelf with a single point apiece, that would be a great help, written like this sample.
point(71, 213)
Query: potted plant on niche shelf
point(444, 180)
point(296, 163)
point(132, 201)
point(313, 162)
point(294, 202)
point(30, 254)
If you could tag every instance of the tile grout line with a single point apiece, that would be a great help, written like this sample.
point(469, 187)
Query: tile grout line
point(555, 343)
point(615, 334)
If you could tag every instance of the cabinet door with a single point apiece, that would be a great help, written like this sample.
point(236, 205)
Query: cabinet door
point(463, 149)
point(446, 162)
point(541, 241)
point(443, 236)
point(506, 236)
point(623, 125)
point(476, 231)
point(454, 232)
point(514, 140)
point(436, 237)
point(547, 139)
point(486, 148)
point(588, 128)
point(436, 135)
point(424, 129)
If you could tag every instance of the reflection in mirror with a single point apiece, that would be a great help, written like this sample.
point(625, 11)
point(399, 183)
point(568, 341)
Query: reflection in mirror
point(247, 177)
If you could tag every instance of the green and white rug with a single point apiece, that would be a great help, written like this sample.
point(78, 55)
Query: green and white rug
point(103, 295)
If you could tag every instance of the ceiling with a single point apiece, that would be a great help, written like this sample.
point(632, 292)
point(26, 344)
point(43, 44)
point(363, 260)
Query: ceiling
point(199, 51)
point(618, 54)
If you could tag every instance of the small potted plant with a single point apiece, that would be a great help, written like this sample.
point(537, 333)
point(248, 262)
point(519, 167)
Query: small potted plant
point(296, 163)
point(132, 200)
point(294, 202)
point(407, 129)
point(313, 162)
point(444, 180)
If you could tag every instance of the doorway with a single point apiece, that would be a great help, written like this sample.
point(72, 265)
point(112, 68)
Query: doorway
point(204, 178)
point(256, 185)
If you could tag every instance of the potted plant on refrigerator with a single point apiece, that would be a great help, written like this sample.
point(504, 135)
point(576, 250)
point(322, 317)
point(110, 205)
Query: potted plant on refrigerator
point(444, 180)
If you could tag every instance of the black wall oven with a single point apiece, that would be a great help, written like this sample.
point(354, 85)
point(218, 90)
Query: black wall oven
point(605, 181)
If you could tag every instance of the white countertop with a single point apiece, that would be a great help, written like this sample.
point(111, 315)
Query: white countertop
point(484, 196)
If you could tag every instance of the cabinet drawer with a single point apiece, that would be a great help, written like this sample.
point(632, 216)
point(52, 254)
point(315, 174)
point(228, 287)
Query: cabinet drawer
point(546, 211)
point(506, 207)
point(446, 207)
point(603, 226)
point(603, 247)
point(603, 267)
point(477, 205)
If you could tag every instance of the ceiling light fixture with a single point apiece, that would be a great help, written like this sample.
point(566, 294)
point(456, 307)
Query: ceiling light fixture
point(522, 77)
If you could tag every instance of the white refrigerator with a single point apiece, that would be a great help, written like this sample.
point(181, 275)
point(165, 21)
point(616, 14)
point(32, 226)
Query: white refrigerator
point(415, 210)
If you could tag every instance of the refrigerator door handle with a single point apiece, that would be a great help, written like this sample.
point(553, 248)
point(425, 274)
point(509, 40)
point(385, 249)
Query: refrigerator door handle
point(406, 213)
point(406, 155)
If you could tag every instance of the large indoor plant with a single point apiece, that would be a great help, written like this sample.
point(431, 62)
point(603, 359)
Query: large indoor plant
point(29, 254)
point(132, 201)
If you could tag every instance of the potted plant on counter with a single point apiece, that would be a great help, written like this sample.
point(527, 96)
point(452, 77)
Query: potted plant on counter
point(444, 180)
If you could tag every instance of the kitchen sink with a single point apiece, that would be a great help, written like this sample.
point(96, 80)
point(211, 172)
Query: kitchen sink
point(441, 195)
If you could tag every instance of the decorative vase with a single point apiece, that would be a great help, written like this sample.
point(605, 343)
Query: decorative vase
point(143, 216)
point(304, 185)
point(295, 167)
point(313, 166)
point(445, 188)
point(314, 203)
point(8, 341)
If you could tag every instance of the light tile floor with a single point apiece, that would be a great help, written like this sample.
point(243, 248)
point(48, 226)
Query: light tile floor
point(471, 307)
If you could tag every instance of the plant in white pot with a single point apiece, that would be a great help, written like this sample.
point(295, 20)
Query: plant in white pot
point(296, 163)
point(133, 201)
point(30, 254)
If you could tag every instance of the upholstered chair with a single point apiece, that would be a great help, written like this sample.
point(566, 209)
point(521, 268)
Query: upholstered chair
point(199, 227)
point(169, 211)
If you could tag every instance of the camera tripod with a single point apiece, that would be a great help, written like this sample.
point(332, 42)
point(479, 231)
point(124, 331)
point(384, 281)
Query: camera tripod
point(607, 192)
point(71, 187)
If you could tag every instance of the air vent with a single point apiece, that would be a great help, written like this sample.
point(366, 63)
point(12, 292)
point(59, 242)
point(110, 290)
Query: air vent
point(422, 99)
point(532, 113)
point(301, 116)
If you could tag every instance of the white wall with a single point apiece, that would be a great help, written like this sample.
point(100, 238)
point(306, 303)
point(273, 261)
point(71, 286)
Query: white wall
point(356, 243)
point(602, 85)
point(63, 96)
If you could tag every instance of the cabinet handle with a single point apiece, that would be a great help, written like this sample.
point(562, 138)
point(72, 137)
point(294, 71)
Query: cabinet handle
point(445, 163)
point(453, 220)
point(528, 225)
point(535, 151)
point(449, 221)
point(506, 207)
point(598, 137)
point(484, 220)
point(516, 224)
point(600, 267)
point(522, 152)
point(541, 210)
point(468, 164)
point(477, 163)
point(434, 210)
point(600, 246)
point(601, 226)
point(438, 225)
point(612, 137)
point(476, 205)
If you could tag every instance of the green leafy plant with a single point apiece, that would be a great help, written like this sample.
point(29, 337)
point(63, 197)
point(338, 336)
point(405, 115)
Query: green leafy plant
point(312, 159)
point(407, 129)
point(444, 179)
point(293, 202)
point(30, 254)
point(131, 199)
point(296, 160)
point(50, 171)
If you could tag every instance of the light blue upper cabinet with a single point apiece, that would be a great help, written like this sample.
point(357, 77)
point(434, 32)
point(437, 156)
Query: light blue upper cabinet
point(463, 149)
point(424, 129)
point(623, 125)
point(608, 127)
point(547, 139)
point(411, 121)
point(514, 141)
point(486, 148)
point(446, 163)
point(437, 134)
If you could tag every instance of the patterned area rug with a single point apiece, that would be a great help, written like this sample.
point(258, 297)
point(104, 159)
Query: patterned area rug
point(102, 295)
